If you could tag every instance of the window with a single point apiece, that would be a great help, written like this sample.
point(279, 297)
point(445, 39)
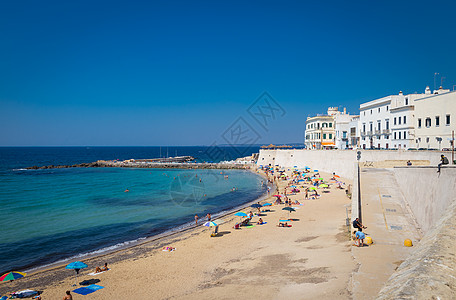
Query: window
point(428, 122)
point(318, 125)
point(399, 120)
point(371, 111)
point(406, 101)
point(379, 109)
point(324, 136)
point(394, 120)
point(387, 124)
point(370, 126)
point(437, 121)
point(364, 112)
point(330, 136)
point(399, 133)
point(405, 119)
point(387, 137)
point(419, 123)
point(405, 136)
point(330, 124)
point(394, 135)
point(344, 134)
point(447, 120)
point(379, 125)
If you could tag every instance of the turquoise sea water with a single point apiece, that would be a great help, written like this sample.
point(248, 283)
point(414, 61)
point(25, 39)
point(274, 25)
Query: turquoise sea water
point(54, 214)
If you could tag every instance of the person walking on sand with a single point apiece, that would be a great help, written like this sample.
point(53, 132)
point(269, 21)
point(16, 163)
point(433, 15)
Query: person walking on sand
point(443, 161)
point(196, 220)
point(307, 194)
point(68, 296)
point(208, 216)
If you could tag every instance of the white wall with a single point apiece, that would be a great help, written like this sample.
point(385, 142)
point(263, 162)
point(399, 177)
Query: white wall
point(340, 161)
point(428, 193)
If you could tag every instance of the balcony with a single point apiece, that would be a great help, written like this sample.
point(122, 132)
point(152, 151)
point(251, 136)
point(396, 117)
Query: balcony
point(377, 132)
point(369, 133)
point(386, 131)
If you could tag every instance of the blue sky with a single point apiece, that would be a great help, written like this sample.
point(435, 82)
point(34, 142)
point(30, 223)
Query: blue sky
point(104, 73)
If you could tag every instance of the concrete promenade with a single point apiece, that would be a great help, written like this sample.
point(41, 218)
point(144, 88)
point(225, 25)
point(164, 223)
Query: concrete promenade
point(389, 223)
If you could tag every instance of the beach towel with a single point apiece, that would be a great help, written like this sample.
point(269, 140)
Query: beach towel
point(249, 226)
point(88, 289)
point(96, 273)
point(167, 250)
point(263, 223)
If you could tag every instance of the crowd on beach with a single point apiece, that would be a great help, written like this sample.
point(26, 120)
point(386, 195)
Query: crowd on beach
point(293, 188)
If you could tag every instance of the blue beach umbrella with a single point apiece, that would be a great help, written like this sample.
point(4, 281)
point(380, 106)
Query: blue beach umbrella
point(76, 266)
point(256, 205)
point(267, 204)
point(315, 170)
point(241, 214)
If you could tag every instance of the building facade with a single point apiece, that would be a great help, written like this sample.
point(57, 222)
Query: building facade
point(435, 120)
point(391, 122)
point(344, 123)
point(320, 132)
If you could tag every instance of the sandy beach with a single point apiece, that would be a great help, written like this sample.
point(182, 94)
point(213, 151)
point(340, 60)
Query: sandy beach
point(310, 259)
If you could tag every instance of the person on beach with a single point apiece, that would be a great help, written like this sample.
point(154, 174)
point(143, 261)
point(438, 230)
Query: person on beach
point(357, 224)
point(307, 194)
point(250, 215)
point(409, 163)
point(68, 296)
point(260, 221)
point(196, 220)
point(208, 216)
point(360, 237)
point(102, 269)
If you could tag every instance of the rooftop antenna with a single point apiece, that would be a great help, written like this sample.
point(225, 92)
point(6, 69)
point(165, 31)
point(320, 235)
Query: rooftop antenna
point(435, 78)
point(442, 79)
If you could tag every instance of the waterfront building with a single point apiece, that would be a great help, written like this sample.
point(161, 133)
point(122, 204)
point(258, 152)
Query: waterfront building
point(320, 132)
point(354, 132)
point(343, 125)
point(435, 120)
point(390, 122)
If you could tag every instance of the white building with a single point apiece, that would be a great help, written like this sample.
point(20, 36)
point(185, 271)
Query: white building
point(435, 120)
point(343, 124)
point(374, 120)
point(354, 132)
point(320, 133)
point(389, 122)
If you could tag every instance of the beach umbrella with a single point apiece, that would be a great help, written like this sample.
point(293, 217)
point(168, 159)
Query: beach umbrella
point(306, 167)
point(13, 275)
point(256, 205)
point(312, 188)
point(337, 176)
point(315, 170)
point(241, 214)
point(323, 185)
point(289, 209)
point(210, 224)
point(76, 266)
point(267, 204)
point(320, 178)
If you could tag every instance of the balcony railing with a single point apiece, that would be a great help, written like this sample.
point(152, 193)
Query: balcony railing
point(386, 131)
point(369, 133)
point(378, 132)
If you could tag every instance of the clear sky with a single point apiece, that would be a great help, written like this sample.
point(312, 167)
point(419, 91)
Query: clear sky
point(107, 73)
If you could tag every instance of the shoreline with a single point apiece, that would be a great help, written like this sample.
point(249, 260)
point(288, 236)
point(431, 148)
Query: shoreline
point(266, 260)
point(186, 227)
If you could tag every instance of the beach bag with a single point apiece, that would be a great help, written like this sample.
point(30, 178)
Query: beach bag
point(445, 161)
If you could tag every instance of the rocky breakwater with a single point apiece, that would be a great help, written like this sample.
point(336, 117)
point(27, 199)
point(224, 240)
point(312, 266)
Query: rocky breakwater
point(168, 163)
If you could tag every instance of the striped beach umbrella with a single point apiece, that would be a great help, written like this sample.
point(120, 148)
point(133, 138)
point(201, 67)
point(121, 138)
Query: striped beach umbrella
point(13, 275)
point(210, 224)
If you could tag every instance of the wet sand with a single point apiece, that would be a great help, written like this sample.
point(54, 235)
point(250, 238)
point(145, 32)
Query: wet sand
point(310, 259)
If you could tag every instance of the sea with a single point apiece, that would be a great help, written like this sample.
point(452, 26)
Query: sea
point(58, 215)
